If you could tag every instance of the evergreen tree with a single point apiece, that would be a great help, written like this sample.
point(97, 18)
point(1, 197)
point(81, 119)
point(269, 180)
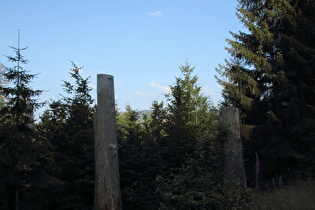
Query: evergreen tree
point(162, 141)
point(194, 152)
point(269, 79)
point(187, 111)
point(296, 96)
point(140, 157)
point(19, 147)
point(68, 127)
point(173, 158)
point(132, 165)
point(2, 83)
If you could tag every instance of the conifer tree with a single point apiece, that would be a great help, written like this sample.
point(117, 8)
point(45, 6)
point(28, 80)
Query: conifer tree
point(269, 79)
point(132, 165)
point(18, 143)
point(68, 127)
point(173, 158)
point(187, 111)
point(193, 152)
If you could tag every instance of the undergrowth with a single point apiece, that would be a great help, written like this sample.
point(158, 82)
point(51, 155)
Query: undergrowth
point(299, 195)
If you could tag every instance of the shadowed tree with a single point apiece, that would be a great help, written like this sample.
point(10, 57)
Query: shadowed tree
point(68, 127)
point(18, 143)
point(271, 80)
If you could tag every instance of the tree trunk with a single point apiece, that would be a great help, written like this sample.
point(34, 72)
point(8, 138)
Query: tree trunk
point(233, 164)
point(107, 188)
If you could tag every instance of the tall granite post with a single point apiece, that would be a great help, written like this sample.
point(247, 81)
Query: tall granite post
point(107, 188)
point(233, 164)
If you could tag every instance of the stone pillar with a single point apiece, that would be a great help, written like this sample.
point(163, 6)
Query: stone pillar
point(233, 164)
point(107, 187)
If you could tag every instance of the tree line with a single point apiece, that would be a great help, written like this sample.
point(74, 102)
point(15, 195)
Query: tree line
point(172, 158)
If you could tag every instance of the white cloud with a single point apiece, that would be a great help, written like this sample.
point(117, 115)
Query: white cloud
point(220, 87)
point(140, 93)
point(158, 89)
point(81, 70)
point(92, 86)
point(212, 92)
point(154, 14)
point(161, 88)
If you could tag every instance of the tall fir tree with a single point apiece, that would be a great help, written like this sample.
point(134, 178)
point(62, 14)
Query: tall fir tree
point(67, 126)
point(193, 151)
point(187, 110)
point(18, 142)
point(132, 165)
point(173, 158)
point(271, 79)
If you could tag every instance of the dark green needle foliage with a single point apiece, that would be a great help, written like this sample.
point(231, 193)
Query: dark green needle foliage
point(195, 179)
point(19, 147)
point(67, 126)
point(271, 79)
point(173, 158)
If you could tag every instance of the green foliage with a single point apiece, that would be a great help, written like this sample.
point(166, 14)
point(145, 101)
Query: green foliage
point(19, 166)
point(67, 127)
point(197, 183)
point(271, 80)
point(187, 115)
point(173, 159)
point(137, 161)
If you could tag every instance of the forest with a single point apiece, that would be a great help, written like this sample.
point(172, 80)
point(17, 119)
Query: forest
point(172, 157)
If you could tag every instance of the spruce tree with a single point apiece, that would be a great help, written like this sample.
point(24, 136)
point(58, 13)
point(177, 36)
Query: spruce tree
point(68, 128)
point(132, 165)
point(193, 152)
point(173, 158)
point(18, 140)
point(164, 140)
point(296, 96)
point(269, 79)
point(187, 110)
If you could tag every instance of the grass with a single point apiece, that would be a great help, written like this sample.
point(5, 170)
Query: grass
point(299, 195)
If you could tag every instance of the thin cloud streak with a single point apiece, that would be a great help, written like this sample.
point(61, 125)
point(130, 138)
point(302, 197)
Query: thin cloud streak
point(140, 93)
point(154, 14)
point(207, 91)
point(92, 86)
point(161, 88)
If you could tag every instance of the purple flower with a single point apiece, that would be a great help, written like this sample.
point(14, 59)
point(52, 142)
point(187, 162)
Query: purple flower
point(257, 166)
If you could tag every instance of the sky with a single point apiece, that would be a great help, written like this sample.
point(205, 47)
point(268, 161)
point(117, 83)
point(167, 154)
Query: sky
point(142, 43)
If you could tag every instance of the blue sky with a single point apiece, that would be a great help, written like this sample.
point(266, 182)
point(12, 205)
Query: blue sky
point(140, 42)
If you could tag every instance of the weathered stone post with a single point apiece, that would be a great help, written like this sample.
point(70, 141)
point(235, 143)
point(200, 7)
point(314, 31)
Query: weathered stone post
point(233, 164)
point(107, 188)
